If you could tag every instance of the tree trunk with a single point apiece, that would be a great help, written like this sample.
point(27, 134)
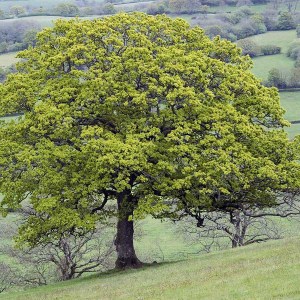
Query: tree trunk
point(237, 239)
point(126, 257)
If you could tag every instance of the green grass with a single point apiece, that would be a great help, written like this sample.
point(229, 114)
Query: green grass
point(231, 9)
point(8, 59)
point(279, 38)
point(44, 20)
point(267, 271)
point(293, 130)
point(161, 241)
point(291, 103)
point(130, 6)
point(5, 5)
point(263, 64)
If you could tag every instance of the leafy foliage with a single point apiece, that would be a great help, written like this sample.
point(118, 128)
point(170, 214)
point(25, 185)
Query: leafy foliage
point(286, 21)
point(139, 108)
point(249, 47)
point(66, 9)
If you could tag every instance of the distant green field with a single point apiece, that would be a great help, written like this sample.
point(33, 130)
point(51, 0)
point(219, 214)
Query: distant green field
point(44, 20)
point(267, 271)
point(131, 6)
point(263, 64)
point(227, 8)
point(5, 5)
point(161, 241)
point(8, 59)
point(291, 103)
point(279, 38)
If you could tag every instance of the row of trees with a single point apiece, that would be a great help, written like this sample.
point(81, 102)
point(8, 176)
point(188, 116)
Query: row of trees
point(65, 9)
point(294, 52)
point(283, 80)
point(17, 35)
point(189, 7)
point(251, 48)
point(137, 115)
point(244, 23)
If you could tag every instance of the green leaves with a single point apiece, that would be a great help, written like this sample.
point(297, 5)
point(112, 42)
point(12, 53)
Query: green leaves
point(141, 105)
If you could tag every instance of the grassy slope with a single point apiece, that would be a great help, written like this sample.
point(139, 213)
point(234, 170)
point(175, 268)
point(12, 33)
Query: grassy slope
point(268, 271)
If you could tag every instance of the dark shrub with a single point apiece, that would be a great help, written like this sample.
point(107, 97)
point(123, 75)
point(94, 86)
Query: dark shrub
point(270, 50)
point(294, 51)
point(286, 21)
point(249, 47)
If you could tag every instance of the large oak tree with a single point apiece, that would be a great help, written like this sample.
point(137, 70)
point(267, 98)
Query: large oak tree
point(133, 115)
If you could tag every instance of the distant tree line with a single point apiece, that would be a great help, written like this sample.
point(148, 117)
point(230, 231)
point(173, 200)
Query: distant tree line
point(251, 48)
point(294, 52)
point(244, 23)
point(65, 9)
point(284, 80)
point(17, 35)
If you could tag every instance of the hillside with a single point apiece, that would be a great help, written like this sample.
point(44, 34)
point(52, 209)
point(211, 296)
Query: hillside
point(267, 271)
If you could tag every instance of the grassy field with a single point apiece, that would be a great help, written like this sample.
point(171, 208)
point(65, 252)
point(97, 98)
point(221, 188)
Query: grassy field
point(230, 9)
point(267, 271)
point(6, 4)
point(131, 6)
point(8, 59)
point(263, 64)
point(279, 38)
point(45, 20)
point(291, 103)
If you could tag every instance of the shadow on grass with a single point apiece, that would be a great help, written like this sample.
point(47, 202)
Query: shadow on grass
point(113, 272)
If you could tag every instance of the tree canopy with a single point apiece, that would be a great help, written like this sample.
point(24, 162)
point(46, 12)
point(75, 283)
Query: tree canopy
point(133, 115)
